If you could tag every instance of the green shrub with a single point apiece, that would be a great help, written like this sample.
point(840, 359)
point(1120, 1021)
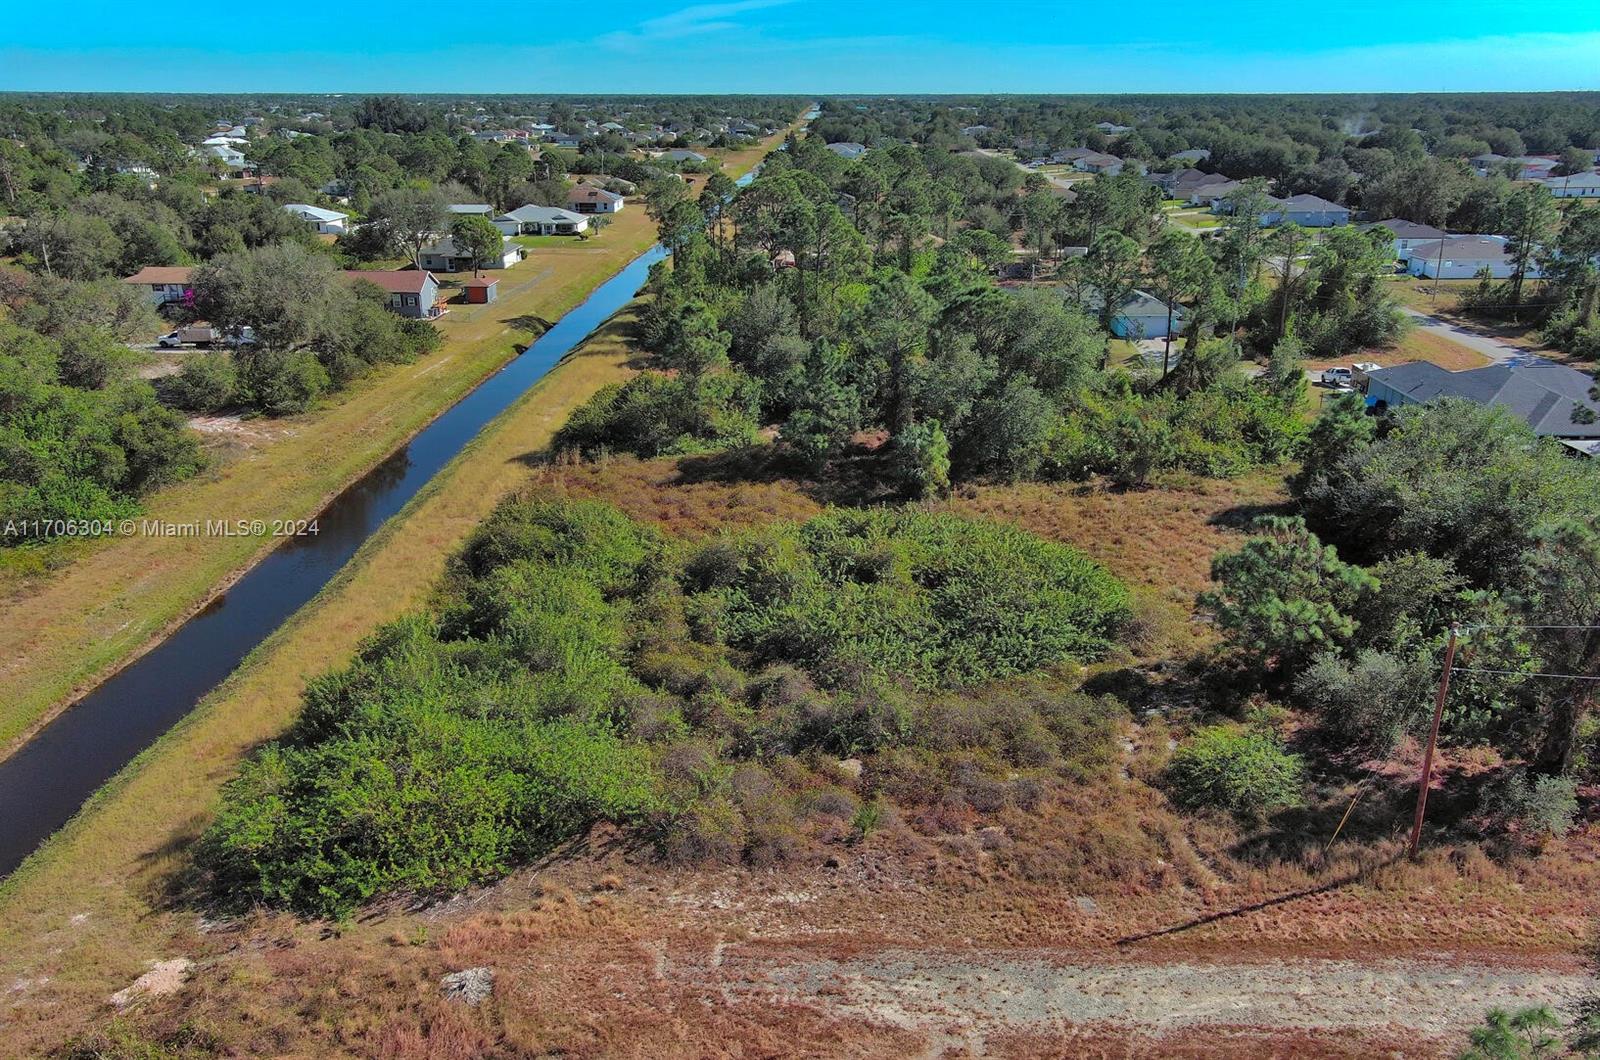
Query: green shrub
point(934, 599)
point(1537, 806)
point(1235, 769)
point(654, 414)
point(206, 383)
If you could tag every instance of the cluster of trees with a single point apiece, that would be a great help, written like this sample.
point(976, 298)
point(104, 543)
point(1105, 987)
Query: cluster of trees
point(1565, 246)
point(832, 297)
point(578, 670)
point(1396, 155)
point(1451, 514)
point(80, 437)
point(311, 331)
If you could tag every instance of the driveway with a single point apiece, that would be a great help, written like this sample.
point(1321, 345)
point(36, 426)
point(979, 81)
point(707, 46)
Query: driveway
point(1497, 351)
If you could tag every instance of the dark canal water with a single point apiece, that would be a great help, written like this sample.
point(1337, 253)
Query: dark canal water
point(48, 779)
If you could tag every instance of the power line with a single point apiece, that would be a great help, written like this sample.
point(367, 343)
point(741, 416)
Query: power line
point(1521, 673)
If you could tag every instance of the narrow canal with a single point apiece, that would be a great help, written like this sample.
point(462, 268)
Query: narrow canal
point(45, 782)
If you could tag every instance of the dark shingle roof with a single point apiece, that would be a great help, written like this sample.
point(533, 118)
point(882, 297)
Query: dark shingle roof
point(1542, 395)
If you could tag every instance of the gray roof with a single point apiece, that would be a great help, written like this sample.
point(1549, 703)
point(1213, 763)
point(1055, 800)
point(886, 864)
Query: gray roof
point(530, 214)
point(1403, 229)
point(1542, 395)
point(848, 149)
point(1305, 201)
point(1464, 248)
point(472, 208)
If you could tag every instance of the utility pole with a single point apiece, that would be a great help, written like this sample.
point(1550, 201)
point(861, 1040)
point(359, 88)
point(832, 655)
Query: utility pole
point(1433, 740)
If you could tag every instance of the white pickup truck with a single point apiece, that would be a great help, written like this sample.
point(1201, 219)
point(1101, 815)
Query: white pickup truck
point(1349, 378)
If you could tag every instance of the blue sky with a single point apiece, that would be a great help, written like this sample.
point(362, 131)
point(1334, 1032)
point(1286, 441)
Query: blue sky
point(805, 46)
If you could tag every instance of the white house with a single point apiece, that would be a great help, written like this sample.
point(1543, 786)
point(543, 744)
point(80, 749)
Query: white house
point(848, 149)
point(1405, 234)
point(231, 157)
point(1577, 186)
point(328, 222)
point(444, 256)
point(1463, 257)
point(1310, 211)
point(1111, 128)
point(586, 198)
point(471, 209)
point(533, 220)
point(162, 283)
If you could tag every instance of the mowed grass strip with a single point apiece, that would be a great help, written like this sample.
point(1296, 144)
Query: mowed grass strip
point(64, 631)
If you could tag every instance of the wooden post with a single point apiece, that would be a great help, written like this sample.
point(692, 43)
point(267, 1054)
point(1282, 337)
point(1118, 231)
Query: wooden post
point(1433, 741)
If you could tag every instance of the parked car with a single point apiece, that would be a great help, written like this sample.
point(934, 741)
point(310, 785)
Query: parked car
point(1341, 377)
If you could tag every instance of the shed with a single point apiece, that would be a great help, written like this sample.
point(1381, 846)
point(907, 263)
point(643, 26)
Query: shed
point(483, 289)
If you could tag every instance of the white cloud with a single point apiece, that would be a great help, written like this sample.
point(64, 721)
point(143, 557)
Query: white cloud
point(692, 21)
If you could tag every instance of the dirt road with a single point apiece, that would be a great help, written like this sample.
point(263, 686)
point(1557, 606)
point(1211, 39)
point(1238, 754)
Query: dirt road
point(961, 1002)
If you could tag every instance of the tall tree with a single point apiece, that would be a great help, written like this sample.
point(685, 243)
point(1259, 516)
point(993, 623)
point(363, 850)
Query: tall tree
point(410, 219)
point(1179, 269)
point(1530, 217)
point(477, 238)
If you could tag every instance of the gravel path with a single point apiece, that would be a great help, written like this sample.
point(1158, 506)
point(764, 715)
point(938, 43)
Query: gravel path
point(968, 998)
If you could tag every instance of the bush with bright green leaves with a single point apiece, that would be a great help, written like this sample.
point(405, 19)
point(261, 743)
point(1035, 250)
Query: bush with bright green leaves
point(935, 599)
point(577, 669)
point(1241, 770)
point(80, 452)
point(655, 414)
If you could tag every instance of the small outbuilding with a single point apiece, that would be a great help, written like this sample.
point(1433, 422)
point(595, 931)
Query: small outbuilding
point(482, 290)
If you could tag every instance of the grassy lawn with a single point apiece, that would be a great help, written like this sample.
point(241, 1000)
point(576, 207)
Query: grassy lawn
point(69, 618)
point(536, 242)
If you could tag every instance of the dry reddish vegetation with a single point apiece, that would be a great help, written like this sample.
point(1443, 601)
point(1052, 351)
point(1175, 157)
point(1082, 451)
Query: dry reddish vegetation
point(605, 951)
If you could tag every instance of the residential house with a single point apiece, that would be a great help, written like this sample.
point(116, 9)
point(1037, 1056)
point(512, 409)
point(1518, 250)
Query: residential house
point(1551, 398)
point(586, 198)
point(848, 150)
point(1141, 316)
point(231, 156)
point(1194, 154)
point(1485, 164)
point(1144, 316)
point(683, 155)
point(1213, 192)
point(1536, 167)
point(1111, 128)
point(1069, 155)
point(411, 292)
point(1099, 162)
point(444, 256)
point(1193, 181)
point(533, 220)
point(1463, 257)
point(1405, 234)
point(1182, 181)
point(1576, 186)
point(1308, 211)
point(328, 222)
point(566, 140)
point(471, 209)
point(164, 283)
